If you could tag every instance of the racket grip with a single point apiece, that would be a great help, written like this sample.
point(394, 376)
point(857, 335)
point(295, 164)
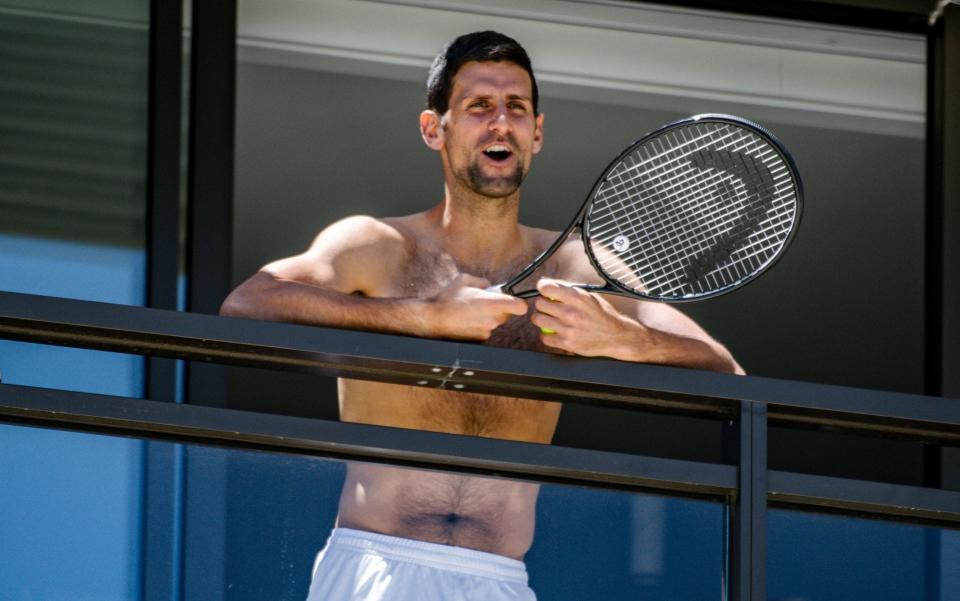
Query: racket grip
point(525, 294)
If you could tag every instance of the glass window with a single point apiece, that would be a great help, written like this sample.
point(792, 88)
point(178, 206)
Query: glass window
point(70, 515)
point(252, 523)
point(818, 557)
point(73, 106)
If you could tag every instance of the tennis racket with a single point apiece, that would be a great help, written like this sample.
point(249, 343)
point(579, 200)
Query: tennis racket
point(693, 210)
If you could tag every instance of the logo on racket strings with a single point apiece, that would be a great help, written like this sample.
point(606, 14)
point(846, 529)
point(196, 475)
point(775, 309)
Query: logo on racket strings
point(621, 243)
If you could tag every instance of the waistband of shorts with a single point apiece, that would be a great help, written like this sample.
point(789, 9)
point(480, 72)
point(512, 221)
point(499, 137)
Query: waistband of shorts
point(435, 555)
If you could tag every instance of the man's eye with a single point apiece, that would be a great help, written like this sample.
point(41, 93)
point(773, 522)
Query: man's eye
point(480, 104)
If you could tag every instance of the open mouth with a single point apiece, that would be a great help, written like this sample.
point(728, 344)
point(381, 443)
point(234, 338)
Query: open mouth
point(498, 152)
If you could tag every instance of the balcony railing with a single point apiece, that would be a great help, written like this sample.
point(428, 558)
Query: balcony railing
point(750, 403)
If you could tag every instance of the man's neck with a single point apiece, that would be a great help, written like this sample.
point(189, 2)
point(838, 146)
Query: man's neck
point(479, 231)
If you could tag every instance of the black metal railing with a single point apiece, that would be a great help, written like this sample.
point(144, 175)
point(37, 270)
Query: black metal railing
point(750, 403)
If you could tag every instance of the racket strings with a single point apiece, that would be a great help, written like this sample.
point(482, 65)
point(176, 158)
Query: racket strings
point(680, 155)
point(733, 208)
point(775, 229)
point(616, 217)
point(681, 194)
point(741, 189)
point(624, 193)
point(643, 178)
point(678, 149)
point(693, 265)
point(680, 268)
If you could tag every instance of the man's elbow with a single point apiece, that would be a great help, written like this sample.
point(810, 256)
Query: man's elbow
point(725, 362)
point(731, 365)
point(233, 306)
point(242, 302)
point(247, 299)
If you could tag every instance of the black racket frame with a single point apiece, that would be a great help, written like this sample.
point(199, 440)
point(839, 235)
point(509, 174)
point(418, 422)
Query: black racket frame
point(614, 287)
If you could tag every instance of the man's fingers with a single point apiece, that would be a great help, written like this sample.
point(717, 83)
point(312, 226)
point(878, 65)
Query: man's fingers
point(546, 322)
point(550, 307)
point(556, 290)
point(513, 306)
point(505, 302)
point(567, 313)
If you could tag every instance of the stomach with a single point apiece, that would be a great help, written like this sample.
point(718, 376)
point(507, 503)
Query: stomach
point(482, 513)
point(449, 411)
point(486, 514)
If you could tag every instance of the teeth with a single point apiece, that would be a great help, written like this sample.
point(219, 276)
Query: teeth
point(497, 148)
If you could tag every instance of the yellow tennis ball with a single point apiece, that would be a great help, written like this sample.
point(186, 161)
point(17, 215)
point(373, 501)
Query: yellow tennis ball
point(548, 331)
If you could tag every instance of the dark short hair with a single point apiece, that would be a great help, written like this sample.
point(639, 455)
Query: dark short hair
point(478, 46)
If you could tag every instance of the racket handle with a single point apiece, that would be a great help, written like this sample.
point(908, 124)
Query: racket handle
point(525, 294)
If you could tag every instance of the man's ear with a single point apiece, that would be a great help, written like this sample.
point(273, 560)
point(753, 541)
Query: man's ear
point(431, 129)
point(538, 134)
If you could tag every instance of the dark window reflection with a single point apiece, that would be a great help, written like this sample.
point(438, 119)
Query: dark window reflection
point(815, 557)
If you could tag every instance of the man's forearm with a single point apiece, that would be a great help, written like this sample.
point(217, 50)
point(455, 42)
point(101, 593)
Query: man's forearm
point(271, 299)
point(647, 345)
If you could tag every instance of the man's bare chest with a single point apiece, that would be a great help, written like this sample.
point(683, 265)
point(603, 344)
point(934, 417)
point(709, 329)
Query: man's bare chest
point(427, 273)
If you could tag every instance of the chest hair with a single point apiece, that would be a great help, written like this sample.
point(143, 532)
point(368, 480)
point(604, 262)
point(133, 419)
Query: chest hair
point(430, 270)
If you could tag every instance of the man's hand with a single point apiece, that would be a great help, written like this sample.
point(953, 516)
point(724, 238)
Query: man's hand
point(465, 310)
point(584, 323)
point(588, 324)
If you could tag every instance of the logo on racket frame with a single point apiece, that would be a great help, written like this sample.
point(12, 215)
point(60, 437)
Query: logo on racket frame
point(621, 243)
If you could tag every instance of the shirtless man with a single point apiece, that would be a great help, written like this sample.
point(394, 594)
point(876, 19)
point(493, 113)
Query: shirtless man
point(426, 275)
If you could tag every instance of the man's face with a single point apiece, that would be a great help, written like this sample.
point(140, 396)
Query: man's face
point(490, 131)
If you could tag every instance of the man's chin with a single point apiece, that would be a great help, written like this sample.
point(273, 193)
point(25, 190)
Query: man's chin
point(497, 191)
point(495, 187)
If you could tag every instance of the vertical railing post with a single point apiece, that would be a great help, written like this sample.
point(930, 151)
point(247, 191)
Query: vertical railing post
point(748, 552)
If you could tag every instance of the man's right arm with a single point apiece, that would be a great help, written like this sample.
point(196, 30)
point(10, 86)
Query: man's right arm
point(339, 280)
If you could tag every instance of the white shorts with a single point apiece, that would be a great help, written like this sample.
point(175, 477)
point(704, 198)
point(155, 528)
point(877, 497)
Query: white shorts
point(364, 566)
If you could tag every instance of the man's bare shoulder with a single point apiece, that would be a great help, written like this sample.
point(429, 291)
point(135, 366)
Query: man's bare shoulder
point(386, 241)
point(358, 232)
point(354, 254)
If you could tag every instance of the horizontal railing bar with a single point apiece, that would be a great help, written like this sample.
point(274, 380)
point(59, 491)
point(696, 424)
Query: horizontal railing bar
point(876, 499)
point(359, 442)
point(464, 366)
point(122, 416)
point(337, 352)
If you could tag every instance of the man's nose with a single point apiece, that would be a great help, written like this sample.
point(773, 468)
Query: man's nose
point(500, 123)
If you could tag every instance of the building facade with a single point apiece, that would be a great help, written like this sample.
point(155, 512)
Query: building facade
point(155, 155)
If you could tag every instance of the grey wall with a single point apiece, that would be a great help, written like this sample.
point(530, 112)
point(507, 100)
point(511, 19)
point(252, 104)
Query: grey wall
point(844, 306)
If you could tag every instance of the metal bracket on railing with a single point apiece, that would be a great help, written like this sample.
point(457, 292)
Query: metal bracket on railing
point(451, 376)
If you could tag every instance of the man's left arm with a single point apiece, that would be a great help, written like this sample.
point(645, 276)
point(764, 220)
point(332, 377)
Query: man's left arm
point(596, 325)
